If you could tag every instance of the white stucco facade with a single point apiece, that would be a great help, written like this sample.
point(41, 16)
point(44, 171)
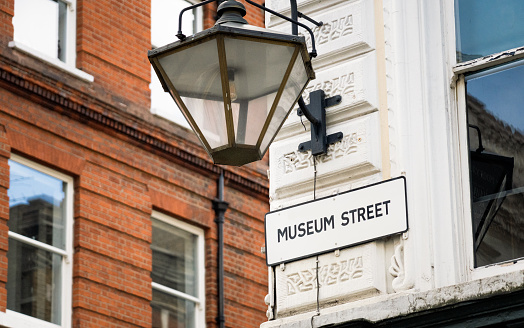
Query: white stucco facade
point(402, 114)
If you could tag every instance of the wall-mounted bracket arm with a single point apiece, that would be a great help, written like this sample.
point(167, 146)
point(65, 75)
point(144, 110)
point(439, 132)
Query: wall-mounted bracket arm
point(293, 20)
point(309, 19)
point(180, 35)
point(315, 112)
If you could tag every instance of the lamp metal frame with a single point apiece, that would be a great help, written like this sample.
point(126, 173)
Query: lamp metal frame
point(218, 33)
point(315, 112)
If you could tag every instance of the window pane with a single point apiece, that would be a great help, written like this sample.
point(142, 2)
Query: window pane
point(36, 205)
point(33, 281)
point(62, 30)
point(172, 312)
point(174, 258)
point(36, 25)
point(485, 27)
point(496, 141)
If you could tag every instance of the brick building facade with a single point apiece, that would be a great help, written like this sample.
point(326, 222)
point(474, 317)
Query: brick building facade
point(84, 258)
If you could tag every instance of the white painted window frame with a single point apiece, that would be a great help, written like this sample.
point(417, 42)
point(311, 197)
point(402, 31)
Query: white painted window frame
point(460, 130)
point(200, 304)
point(69, 65)
point(18, 320)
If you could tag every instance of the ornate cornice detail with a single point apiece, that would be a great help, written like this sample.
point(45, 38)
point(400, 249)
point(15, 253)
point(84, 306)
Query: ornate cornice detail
point(83, 113)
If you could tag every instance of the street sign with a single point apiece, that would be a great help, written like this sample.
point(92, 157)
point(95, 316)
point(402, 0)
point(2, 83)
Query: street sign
point(327, 224)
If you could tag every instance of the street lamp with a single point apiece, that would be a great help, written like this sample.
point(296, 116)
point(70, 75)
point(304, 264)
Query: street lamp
point(236, 83)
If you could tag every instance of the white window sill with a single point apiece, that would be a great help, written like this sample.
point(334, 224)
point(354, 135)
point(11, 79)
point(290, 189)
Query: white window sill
point(12, 319)
point(53, 61)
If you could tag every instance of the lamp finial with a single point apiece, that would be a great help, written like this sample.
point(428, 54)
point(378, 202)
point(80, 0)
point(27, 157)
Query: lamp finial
point(231, 11)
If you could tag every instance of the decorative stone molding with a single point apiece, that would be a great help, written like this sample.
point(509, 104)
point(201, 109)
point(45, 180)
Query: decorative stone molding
point(342, 85)
point(397, 267)
point(328, 275)
point(356, 155)
point(330, 31)
point(269, 312)
point(402, 281)
point(354, 80)
point(348, 273)
point(348, 29)
point(297, 160)
point(270, 297)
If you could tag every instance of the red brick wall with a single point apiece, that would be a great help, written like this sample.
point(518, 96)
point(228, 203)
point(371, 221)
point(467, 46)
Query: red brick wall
point(112, 42)
point(7, 10)
point(125, 163)
point(254, 16)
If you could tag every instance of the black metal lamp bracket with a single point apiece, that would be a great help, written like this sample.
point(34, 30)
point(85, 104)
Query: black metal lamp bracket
point(180, 35)
point(294, 20)
point(315, 112)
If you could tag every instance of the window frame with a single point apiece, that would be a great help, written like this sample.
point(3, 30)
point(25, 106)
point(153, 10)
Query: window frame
point(15, 319)
point(200, 304)
point(459, 72)
point(69, 64)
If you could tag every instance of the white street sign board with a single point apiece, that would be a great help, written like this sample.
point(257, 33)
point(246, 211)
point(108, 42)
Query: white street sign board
point(336, 222)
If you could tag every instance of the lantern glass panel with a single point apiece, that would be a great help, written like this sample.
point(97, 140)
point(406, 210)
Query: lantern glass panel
point(295, 84)
point(195, 75)
point(256, 71)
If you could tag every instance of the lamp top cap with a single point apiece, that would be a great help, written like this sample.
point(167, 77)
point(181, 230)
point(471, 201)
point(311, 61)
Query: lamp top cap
point(231, 11)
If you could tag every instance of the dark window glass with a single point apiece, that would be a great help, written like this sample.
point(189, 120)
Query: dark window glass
point(172, 312)
point(34, 282)
point(485, 27)
point(174, 258)
point(495, 101)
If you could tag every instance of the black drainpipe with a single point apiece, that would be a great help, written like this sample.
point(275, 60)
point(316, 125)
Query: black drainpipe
point(220, 208)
